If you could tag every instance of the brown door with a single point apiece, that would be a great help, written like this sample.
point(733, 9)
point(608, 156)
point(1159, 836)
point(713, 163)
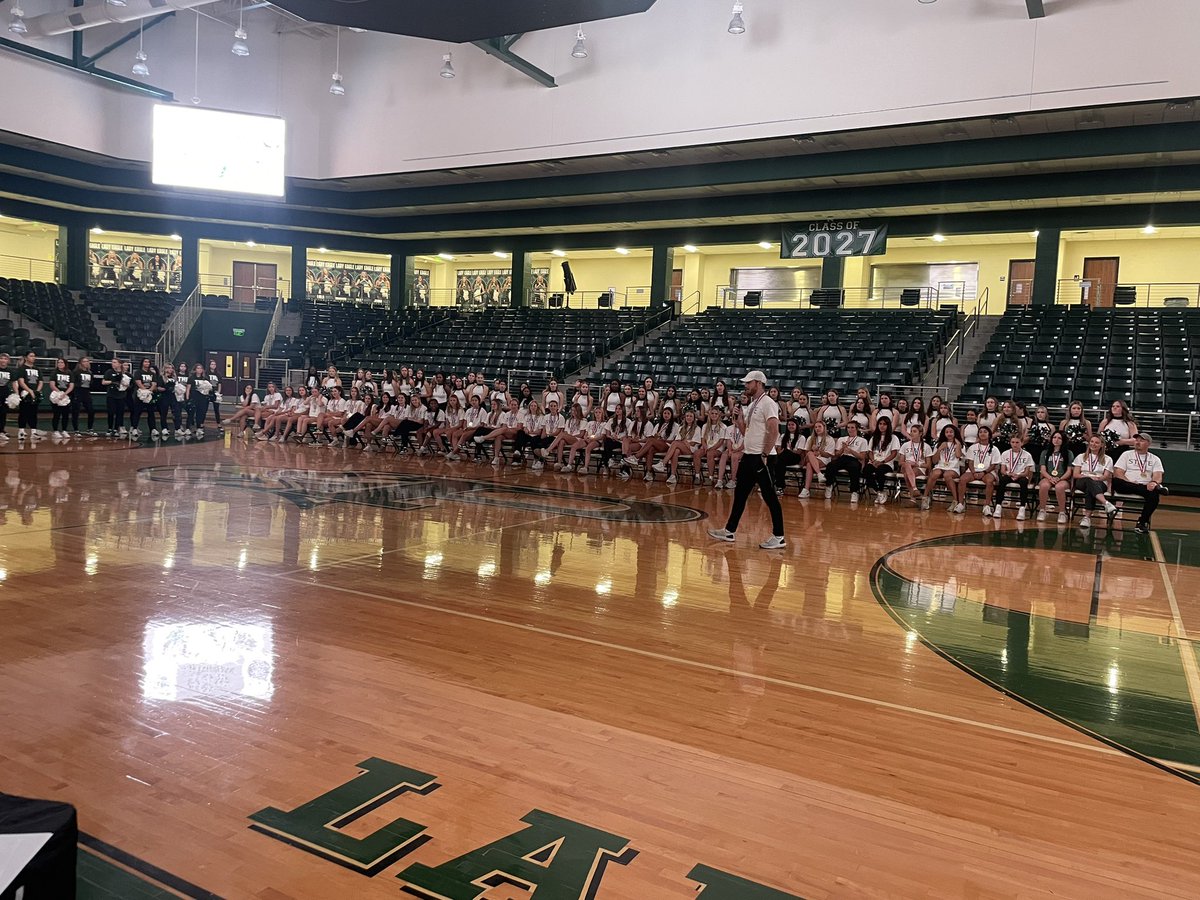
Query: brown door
point(227, 370)
point(1099, 280)
point(253, 280)
point(677, 284)
point(1020, 281)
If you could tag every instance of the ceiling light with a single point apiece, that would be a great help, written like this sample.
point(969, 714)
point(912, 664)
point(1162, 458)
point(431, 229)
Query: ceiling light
point(939, 238)
point(927, 1)
point(336, 87)
point(97, 230)
point(445, 256)
point(559, 252)
point(766, 245)
point(140, 69)
point(622, 251)
point(1034, 233)
point(251, 244)
point(116, 2)
point(499, 254)
point(1149, 229)
point(690, 248)
point(737, 25)
point(17, 23)
point(579, 51)
point(175, 237)
point(447, 68)
point(322, 250)
point(240, 48)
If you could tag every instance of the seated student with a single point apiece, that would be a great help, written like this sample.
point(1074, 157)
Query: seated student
point(1093, 475)
point(818, 451)
point(247, 408)
point(434, 416)
point(441, 437)
point(991, 412)
point(1037, 433)
point(566, 437)
point(1140, 472)
point(1077, 428)
point(832, 414)
point(970, 429)
point(528, 427)
point(914, 458)
point(981, 463)
point(358, 407)
point(686, 443)
point(941, 415)
point(412, 420)
point(883, 450)
point(915, 416)
point(800, 411)
point(1016, 465)
point(885, 410)
point(552, 393)
point(712, 443)
point(848, 456)
point(387, 413)
point(616, 428)
point(309, 413)
point(475, 424)
point(333, 415)
point(504, 428)
point(590, 437)
point(548, 429)
point(271, 401)
point(862, 415)
point(735, 448)
point(668, 431)
point(1056, 475)
point(274, 420)
point(947, 461)
point(642, 430)
point(790, 452)
point(1008, 425)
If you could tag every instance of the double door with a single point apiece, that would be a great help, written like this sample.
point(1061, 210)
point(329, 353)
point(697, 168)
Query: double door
point(237, 369)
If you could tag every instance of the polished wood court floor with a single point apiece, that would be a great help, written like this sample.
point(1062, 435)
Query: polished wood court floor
point(901, 704)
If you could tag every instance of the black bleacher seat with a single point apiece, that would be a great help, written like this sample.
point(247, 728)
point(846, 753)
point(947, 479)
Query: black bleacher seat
point(136, 317)
point(1124, 295)
point(827, 298)
point(910, 297)
point(52, 307)
point(752, 299)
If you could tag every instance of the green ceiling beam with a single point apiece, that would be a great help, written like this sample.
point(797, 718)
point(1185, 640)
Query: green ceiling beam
point(501, 49)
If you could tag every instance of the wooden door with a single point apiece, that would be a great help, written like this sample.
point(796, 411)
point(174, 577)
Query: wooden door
point(266, 280)
point(227, 370)
point(1099, 280)
point(677, 284)
point(253, 280)
point(246, 368)
point(1020, 282)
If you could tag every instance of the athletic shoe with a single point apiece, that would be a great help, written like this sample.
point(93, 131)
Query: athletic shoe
point(721, 534)
point(775, 542)
point(805, 494)
point(854, 496)
point(624, 475)
point(258, 428)
point(199, 433)
point(154, 434)
point(1062, 518)
point(828, 492)
point(671, 479)
point(79, 435)
point(926, 503)
point(960, 508)
point(1142, 527)
point(987, 511)
point(820, 478)
point(123, 432)
point(1021, 514)
point(660, 467)
point(263, 437)
point(1110, 508)
point(454, 457)
point(537, 465)
point(998, 511)
point(187, 432)
point(880, 498)
point(649, 477)
point(630, 461)
point(3, 437)
point(1085, 522)
point(38, 434)
point(496, 462)
point(1041, 516)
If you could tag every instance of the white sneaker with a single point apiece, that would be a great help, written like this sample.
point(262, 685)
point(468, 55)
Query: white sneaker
point(1110, 509)
point(649, 477)
point(3, 437)
point(828, 490)
point(630, 461)
point(199, 432)
point(926, 503)
point(262, 436)
point(1085, 522)
point(660, 467)
point(854, 497)
point(880, 498)
point(987, 511)
point(671, 480)
point(774, 542)
point(998, 511)
point(123, 432)
point(805, 494)
point(720, 534)
point(1062, 518)
point(38, 434)
point(187, 432)
point(1041, 516)
point(496, 462)
point(1021, 514)
point(820, 478)
point(960, 508)
point(20, 434)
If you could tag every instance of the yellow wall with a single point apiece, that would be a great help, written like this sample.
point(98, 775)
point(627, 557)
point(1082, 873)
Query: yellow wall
point(713, 271)
point(216, 265)
point(992, 259)
point(1152, 259)
point(27, 253)
point(595, 276)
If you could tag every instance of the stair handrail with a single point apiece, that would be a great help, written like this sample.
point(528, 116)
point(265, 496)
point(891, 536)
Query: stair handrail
point(178, 326)
point(272, 329)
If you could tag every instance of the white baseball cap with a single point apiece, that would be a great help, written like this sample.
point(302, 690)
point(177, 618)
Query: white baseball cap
point(756, 375)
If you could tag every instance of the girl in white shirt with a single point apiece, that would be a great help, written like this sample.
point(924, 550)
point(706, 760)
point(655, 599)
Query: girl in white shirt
point(412, 420)
point(333, 416)
point(731, 456)
point(434, 417)
point(357, 409)
point(553, 393)
point(970, 430)
point(276, 416)
point(991, 412)
point(589, 439)
point(616, 427)
point(1118, 429)
point(504, 428)
point(307, 413)
point(474, 424)
point(529, 420)
point(641, 431)
point(442, 436)
point(1093, 476)
point(832, 414)
point(386, 411)
point(668, 431)
point(914, 458)
point(947, 460)
point(982, 462)
point(247, 406)
point(567, 437)
point(881, 456)
point(712, 444)
point(330, 381)
point(271, 401)
point(818, 451)
point(687, 443)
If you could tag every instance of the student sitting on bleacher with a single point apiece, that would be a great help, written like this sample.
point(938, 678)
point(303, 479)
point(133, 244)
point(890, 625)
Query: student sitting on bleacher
point(1016, 466)
point(1093, 476)
point(914, 459)
point(1140, 472)
point(885, 447)
point(848, 457)
point(982, 467)
point(1056, 476)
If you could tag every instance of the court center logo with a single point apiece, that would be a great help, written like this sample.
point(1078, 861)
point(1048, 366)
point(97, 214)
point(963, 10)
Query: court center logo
point(308, 489)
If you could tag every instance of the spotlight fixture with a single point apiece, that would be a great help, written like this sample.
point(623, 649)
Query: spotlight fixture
point(690, 248)
point(447, 68)
point(251, 244)
point(140, 69)
point(1149, 229)
point(499, 254)
point(97, 230)
point(240, 47)
point(737, 25)
point(766, 245)
point(622, 251)
point(445, 256)
point(175, 237)
point(579, 51)
point(559, 252)
point(939, 238)
point(322, 250)
point(16, 24)
point(336, 87)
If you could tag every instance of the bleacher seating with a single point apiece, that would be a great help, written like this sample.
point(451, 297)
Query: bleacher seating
point(136, 317)
point(498, 339)
point(51, 307)
point(326, 324)
point(813, 349)
point(1055, 354)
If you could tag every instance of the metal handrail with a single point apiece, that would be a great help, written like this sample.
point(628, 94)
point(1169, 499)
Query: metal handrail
point(852, 297)
point(272, 329)
point(1147, 294)
point(179, 325)
point(685, 303)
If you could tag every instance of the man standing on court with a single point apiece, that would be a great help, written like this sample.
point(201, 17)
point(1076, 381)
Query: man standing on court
point(759, 422)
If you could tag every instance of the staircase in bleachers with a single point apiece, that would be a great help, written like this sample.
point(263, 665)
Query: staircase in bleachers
point(52, 307)
point(1055, 354)
point(812, 349)
point(135, 317)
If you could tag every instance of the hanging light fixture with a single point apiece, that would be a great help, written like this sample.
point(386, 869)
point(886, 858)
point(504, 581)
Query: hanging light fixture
point(447, 68)
point(579, 51)
point(140, 69)
point(196, 66)
point(240, 47)
point(737, 25)
point(336, 87)
point(16, 24)
point(116, 2)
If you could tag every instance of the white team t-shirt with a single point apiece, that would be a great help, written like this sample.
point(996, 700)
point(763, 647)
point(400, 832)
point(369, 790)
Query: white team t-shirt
point(757, 415)
point(1091, 466)
point(1141, 468)
point(1012, 463)
point(982, 457)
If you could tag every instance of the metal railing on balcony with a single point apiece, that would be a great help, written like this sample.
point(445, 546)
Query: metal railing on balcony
point(244, 295)
point(28, 269)
point(1125, 294)
point(898, 297)
point(179, 326)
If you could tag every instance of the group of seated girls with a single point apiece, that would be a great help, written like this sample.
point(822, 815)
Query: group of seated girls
point(995, 447)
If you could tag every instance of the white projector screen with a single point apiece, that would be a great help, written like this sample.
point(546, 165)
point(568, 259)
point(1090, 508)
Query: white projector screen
point(218, 151)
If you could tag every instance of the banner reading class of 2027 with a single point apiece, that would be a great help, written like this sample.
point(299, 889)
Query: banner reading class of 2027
point(842, 237)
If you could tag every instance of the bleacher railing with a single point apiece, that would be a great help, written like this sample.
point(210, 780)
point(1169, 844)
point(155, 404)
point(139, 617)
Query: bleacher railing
point(537, 379)
point(179, 326)
point(28, 269)
point(245, 295)
point(272, 330)
point(898, 297)
point(1126, 294)
point(953, 350)
point(591, 298)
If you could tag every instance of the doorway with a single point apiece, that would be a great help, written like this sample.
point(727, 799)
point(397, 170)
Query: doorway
point(1020, 282)
point(252, 280)
point(1099, 281)
point(236, 370)
point(677, 285)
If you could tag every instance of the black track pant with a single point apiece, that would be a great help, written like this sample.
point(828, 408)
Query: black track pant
point(116, 412)
point(850, 466)
point(168, 403)
point(60, 417)
point(82, 400)
point(753, 472)
point(4, 409)
point(1149, 498)
point(1005, 481)
point(27, 412)
point(876, 474)
point(1092, 488)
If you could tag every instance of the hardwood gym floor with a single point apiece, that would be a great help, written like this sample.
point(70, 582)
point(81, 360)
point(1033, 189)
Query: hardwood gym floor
point(278, 672)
